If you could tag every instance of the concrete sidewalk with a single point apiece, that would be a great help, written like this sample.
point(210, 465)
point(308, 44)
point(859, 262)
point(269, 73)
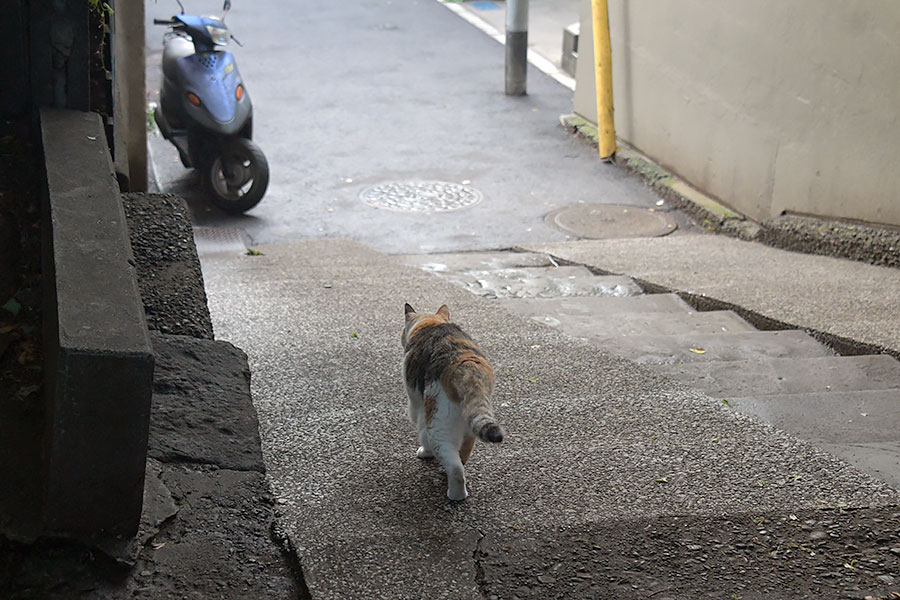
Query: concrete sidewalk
point(614, 481)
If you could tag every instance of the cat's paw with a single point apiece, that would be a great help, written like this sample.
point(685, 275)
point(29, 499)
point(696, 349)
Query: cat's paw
point(458, 497)
point(424, 453)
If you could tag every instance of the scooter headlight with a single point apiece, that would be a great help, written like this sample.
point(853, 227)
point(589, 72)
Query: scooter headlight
point(219, 35)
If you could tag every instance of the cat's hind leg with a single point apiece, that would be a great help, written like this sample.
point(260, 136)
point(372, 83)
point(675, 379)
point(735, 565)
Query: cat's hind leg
point(417, 414)
point(424, 451)
point(446, 437)
point(448, 454)
point(425, 416)
point(466, 449)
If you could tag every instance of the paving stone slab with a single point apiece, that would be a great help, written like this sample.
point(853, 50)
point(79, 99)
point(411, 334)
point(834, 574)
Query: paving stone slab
point(217, 544)
point(674, 349)
point(621, 325)
point(478, 261)
point(539, 282)
point(789, 375)
point(595, 306)
point(837, 417)
point(202, 410)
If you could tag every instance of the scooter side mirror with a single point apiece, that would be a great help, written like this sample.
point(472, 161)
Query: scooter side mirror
point(226, 8)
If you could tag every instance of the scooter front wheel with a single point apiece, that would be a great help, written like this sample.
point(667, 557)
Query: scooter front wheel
point(237, 178)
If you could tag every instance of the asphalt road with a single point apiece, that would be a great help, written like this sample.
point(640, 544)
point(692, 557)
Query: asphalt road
point(348, 95)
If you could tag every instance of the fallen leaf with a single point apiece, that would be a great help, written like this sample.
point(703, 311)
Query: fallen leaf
point(12, 306)
point(353, 335)
point(92, 137)
point(158, 545)
point(252, 252)
point(531, 379)
point(698, 350)
point(662, 480)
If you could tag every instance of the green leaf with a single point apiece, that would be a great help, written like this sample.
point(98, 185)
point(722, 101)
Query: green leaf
point(353, 335)
point(252, 252)
point(13, 307)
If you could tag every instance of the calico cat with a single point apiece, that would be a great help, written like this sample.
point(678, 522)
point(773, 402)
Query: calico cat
point(449, 382)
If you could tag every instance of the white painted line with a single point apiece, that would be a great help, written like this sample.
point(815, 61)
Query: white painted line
point(540, 62)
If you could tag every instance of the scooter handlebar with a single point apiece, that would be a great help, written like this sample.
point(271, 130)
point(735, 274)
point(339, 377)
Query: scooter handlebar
point(163, 21)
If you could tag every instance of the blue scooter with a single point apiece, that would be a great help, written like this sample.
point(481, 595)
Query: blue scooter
point(205, 111)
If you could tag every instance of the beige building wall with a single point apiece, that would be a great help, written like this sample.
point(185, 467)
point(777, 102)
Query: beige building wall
point(769, 105)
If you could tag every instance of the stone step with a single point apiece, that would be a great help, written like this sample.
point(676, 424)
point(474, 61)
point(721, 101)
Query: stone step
point(475, 261)
point(878, 459)
point(835, 418)
point(674, 349)
point(541, 282)
point(788, 375)
point(600, 327)
point(861, 427)
point(595, 307)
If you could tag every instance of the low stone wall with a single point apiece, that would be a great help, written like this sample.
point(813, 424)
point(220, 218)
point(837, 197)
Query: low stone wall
point(98, 364)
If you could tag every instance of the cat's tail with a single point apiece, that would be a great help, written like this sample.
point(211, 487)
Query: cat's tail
point(482, 422)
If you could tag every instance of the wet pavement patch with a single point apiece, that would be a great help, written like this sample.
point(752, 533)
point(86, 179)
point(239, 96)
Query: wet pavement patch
point(421, 196)
point(609, 221)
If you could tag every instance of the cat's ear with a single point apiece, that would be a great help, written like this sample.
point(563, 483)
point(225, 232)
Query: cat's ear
point(443, 311)
point(409, 311)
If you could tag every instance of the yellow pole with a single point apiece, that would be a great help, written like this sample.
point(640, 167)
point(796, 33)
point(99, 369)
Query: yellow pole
point(606, 128)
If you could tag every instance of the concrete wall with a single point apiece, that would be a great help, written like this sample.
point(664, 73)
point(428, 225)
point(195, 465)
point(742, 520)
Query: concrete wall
point(129, 95)
point(769, 106)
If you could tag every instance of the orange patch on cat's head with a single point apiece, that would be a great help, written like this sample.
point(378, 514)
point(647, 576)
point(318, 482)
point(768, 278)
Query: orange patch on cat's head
point(415, 321)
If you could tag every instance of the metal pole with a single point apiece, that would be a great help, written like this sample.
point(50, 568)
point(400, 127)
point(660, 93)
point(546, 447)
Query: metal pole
point(516, 46)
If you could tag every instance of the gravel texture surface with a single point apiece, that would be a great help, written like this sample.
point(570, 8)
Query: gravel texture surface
point(168, 269)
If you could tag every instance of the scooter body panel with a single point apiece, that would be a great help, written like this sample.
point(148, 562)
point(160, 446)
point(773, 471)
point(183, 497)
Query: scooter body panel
point(214, 78)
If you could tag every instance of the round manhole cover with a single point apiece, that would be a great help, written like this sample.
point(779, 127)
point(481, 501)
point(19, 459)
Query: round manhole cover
point(420, 196)
point(609, 221)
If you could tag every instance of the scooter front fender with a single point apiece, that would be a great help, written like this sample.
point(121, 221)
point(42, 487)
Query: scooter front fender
point(213, 77)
